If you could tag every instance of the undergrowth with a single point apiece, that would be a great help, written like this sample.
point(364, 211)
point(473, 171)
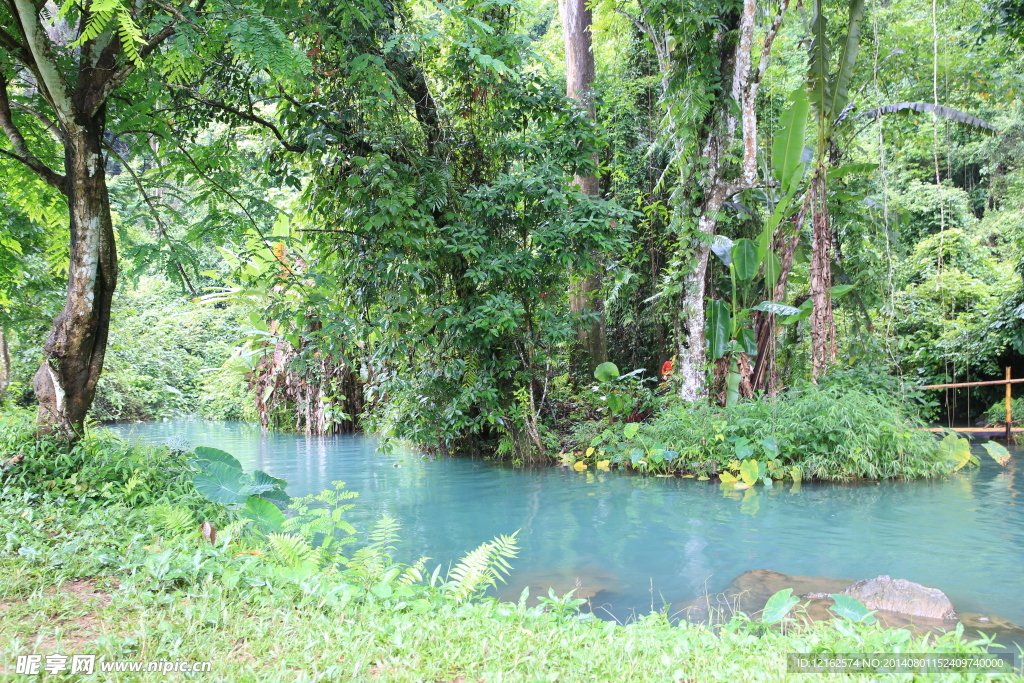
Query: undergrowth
point(826, 432)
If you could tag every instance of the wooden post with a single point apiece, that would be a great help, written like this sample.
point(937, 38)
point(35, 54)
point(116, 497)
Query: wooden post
point(1009, 410)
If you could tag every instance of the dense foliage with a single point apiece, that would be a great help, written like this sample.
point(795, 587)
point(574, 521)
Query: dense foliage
point(382, 210)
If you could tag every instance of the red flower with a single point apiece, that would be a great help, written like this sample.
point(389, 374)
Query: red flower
point(666, 369)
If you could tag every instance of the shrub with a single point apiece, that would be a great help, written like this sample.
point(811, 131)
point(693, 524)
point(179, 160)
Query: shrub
point(826, 432)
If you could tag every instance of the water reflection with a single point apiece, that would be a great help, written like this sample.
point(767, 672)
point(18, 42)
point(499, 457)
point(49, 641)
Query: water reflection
point(645, 541)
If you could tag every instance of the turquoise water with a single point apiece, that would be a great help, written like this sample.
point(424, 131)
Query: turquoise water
point(654, 541)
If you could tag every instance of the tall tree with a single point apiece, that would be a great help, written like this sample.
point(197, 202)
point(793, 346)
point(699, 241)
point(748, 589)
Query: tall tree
point(580, 72)
point(65, 72)
point(705, 56)
point(829, 96)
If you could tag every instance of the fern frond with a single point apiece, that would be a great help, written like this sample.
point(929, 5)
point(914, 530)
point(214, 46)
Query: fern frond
point(172, 519)
point(413, 573)
point(482, 568)
point(291, 550)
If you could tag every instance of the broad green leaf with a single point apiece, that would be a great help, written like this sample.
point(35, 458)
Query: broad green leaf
point(727, 477)
point(772, 270)
point(748, 341)
point(778, 606)
point(805, 310)
point(719, 328)
point(848, 46)
point(847, 169)
point(748, 472)
point(217, 455)
point(630, 430)
point(998, 452)
point(722, 248)
point(265, 514)
point(744, 259)
point(956, 450)
point(261, 478)
point(838, 291)
point(221, 483)
point(732, 383)
point(606, 372)
point(744, 449)
point(788, 143)
point(851, 609)
point(771, 445)
point(776, 308)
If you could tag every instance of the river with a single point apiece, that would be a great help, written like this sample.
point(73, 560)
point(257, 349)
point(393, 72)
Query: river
point(642, 542)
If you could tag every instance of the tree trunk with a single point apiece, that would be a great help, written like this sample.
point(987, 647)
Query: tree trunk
point(5, 365)
point(584, 293)
point(823, 328)
point(764, 323)
point(65, 383)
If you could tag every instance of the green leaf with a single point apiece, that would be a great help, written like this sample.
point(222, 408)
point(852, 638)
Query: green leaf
point(957, 451)
point(261, 478)
point(221, 483)
point(848, 47)
point(630, 430)
point(998, 452)
point(847, 169)
point(719, 328)
point(838, 291)
point(788, 143)
point(776, 308)
point(744, 259)
point(606, 372)
point(265, 514)
point(216, 455)
point(778, 606)
point(851, 609)
point(748, 472)
point(805, 310)
point(772, 270)
point(748, 341)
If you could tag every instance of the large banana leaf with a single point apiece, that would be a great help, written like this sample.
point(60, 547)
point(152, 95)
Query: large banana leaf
point(945, 112)
point(745, 259)
point(719, 328)
point(829, 94)
point(772, 270)
point(788, 143)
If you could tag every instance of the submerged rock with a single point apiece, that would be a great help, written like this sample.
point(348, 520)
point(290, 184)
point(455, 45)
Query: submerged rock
point(903, 597)
point(586, 582)
point(749, 592)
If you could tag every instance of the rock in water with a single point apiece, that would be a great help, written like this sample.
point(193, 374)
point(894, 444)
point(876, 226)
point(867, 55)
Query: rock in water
point(900, 595)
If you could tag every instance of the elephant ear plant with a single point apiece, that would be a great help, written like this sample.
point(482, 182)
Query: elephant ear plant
point(220, 479)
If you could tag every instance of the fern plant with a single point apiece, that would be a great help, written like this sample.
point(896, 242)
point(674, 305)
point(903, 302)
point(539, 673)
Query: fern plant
point(481, 568)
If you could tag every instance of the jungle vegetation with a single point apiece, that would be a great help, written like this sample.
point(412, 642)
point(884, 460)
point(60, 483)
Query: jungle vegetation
point(505, 228)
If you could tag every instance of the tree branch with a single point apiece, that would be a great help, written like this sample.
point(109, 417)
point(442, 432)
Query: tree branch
point(161, 228)
point(118, 77)
point(52, 127)
point(247, 116)
point(21, 151)
point(46, 68)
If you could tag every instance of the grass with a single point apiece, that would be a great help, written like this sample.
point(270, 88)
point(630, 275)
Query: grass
point(89, 565)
